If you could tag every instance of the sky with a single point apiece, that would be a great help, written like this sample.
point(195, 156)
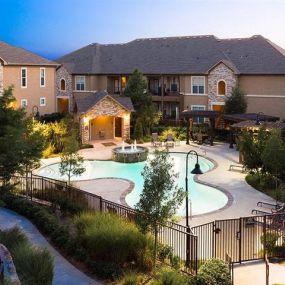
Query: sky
point(52, 28)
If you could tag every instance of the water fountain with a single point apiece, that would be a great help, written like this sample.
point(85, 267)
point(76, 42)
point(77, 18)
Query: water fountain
point(129, 154)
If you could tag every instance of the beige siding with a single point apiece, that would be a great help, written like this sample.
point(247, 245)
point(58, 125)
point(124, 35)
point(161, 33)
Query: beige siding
point(33, 92)
point(263, 84)
point(267, 105)
point(261, 91)
point(194, 100)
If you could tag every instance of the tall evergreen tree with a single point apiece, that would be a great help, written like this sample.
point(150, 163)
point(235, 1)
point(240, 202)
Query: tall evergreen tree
point(236, 103)
point(136, 89)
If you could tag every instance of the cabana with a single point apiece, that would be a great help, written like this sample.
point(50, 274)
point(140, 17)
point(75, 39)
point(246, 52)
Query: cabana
point(189, 115)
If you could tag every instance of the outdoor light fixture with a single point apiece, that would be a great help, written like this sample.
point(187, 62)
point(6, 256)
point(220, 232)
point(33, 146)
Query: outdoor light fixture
point(196, 170)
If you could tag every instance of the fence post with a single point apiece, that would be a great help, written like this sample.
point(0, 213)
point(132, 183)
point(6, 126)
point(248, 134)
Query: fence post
point(267, 270)
point(101, 204)
point(31, 186)
point(42, 187)
point(240, 238)
point(264, 237)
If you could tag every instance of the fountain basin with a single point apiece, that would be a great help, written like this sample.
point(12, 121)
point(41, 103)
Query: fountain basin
point(129, 154)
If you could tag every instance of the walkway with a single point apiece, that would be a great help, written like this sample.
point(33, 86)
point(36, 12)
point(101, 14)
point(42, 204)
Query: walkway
point(64, 272)
point(255, 273)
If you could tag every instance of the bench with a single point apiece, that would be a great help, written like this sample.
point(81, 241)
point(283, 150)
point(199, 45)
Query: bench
point(237, 167)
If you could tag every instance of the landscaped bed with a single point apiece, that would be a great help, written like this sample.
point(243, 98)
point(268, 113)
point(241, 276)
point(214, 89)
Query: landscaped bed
point(125, 253)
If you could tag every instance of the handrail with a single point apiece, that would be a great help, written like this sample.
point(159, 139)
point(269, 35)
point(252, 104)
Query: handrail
point(276, 206)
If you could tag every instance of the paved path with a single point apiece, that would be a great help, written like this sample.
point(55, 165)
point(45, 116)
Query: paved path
point(252, 273)
point(64, 272)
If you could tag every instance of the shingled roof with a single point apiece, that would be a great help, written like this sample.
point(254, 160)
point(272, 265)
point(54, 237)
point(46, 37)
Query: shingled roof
point(86, 102)
point(178, 55)
point(17, 56)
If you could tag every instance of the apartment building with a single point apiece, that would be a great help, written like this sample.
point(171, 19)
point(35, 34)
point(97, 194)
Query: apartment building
point(32, 76)
point(194, 73)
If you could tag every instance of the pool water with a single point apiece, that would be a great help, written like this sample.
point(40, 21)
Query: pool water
point(203, 198)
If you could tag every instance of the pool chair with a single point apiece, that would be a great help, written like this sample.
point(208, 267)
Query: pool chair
point(169, 141)
point(155, 140)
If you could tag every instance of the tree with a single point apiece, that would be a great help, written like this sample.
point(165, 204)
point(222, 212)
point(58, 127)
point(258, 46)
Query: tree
point(20, 146)
point(160, 196)
point(236, 103)
point(138, 132)
point(71, 162)
point(136, 89)
point(34, 145)
point(273, 155)
point(252, 147)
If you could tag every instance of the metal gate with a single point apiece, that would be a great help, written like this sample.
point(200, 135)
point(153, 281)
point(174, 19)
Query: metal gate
point(243, 239)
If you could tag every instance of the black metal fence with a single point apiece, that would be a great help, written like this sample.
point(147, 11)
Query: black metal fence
point(243, 239)
point(50, 191)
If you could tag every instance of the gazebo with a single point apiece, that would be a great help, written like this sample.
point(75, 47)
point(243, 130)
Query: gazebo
point(189, 115)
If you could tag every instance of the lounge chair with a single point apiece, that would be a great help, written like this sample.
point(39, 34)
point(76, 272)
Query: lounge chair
point(155, 140)
point(169, 141)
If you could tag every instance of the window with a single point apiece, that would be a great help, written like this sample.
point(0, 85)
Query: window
point(154, 86)
point(198, 85)
point(124, 82)
point(24, 103)
point(116, 86)
point(42, 101)
point(221, 87)
point(62, 85)
point(173, 87)
point(42, 77)
point(24, 82)
point(80, 83)
point(198, 120)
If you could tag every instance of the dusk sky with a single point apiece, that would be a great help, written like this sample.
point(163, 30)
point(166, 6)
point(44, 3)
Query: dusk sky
point(53, 28)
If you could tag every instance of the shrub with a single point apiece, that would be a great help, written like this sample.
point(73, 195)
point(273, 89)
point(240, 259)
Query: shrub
point(269, 241)
point(213, 272)
point(34, 266)
point(13, 237)
point(49, 151)
point(105, 270)
point(110, 239)
point(171, 278)
point(131, 278)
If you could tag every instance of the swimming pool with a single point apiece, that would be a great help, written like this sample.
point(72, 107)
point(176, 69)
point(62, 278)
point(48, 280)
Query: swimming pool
point(204, 198)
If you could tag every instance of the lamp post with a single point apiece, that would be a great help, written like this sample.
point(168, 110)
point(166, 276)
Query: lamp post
point(196, 170)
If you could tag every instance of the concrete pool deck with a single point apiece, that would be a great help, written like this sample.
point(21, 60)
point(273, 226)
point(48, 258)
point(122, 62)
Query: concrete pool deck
point(243, 198)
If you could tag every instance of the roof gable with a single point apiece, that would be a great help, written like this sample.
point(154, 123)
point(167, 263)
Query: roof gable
point(227, 63)
point(18, 56)
point(87, 102)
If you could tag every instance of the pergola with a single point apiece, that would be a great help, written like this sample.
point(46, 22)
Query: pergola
point(189, 115)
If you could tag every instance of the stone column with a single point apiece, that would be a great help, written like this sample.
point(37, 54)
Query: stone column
point(126, 127)
point(85, 129)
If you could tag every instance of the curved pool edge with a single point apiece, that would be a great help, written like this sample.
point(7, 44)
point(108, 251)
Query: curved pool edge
point(123, 195)
point(219, 188)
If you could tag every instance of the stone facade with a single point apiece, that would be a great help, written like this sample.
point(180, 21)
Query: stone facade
point(1, 78)
point(62, 73)
point(220, 72)
point(105, 107)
